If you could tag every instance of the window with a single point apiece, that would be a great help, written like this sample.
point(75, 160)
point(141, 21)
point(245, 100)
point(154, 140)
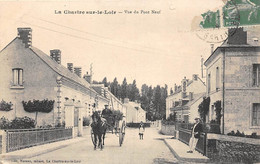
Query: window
point(17, 77)
point(256, 114)
point(256, 74)
point(208, 83)
point(217, 79)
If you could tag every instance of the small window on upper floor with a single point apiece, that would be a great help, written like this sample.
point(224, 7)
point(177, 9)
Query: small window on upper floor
point(256, 75)
point(17, 77)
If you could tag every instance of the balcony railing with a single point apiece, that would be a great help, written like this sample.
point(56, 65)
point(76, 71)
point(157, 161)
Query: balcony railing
point(23, 138)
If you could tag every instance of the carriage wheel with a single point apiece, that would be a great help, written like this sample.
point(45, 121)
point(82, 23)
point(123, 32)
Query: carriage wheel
point(92, 137)
point(122, 133)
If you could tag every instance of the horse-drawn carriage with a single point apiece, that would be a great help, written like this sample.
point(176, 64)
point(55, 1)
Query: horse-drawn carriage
point(110, 124)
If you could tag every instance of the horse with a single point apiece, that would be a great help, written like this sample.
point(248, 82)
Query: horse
point(99, 128)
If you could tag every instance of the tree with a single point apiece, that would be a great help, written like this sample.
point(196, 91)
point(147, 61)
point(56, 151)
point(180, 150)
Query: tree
point(104, 81)
point(44, 106)
point(134, 92)
point(114, 87)
point(124, 89)
point(157, 101)
point(203, 108)
point(218, 109)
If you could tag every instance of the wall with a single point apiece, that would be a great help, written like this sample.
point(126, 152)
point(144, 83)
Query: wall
point(221, 148)
point(240, 94)
point(168, 130)
point(35, 84)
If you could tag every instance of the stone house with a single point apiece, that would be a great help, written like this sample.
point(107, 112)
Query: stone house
point(28, 73)
point(233, 77)
point(185, 99)
point(134, 112)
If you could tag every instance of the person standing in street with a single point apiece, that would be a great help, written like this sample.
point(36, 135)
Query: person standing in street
point(195, 135)
point(141, 130)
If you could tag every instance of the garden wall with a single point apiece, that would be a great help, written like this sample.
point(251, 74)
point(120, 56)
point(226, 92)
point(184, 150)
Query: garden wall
point(168, 130)
point(222, 148)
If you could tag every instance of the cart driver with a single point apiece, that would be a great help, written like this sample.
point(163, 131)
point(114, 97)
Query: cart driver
point(106, 113)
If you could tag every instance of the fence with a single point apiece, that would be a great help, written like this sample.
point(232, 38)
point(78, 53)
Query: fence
point(185, 134)
point(23, 138)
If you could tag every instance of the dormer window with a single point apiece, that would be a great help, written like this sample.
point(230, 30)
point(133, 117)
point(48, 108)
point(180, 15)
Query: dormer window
point(17, 77)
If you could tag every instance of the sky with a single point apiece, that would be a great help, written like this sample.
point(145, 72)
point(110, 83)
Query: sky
point(153, 49)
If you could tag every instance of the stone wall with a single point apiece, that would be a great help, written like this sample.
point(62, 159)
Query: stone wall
point(233, 149)
point(168, 130)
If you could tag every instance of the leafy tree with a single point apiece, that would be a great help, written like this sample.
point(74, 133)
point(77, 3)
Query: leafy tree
point(203, 108)
point(134, 92)
point(44, 106)
point(124, 89)
point(104, 81)
point(218, 109)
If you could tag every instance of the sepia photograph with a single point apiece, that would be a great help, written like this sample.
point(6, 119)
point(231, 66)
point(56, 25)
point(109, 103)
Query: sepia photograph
point(129, 82)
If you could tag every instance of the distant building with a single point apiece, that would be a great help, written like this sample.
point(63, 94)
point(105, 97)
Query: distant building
point(27, 73)
point(134, 112)
point(185, 99)
point(233, 78)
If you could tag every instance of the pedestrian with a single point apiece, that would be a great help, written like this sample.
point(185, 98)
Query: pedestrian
point(195, 135)
point(141, 130)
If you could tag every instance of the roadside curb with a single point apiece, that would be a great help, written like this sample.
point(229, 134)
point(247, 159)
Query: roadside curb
point(197, 160)
point(35, 152)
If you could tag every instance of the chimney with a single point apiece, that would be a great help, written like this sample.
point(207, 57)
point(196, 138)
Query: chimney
point(106, 92)
point(191, 96)
point(77, 71)
point(194, 77)
point(56, 55)
point(175, 87)
point(70, 66)
point(237, 36)
point(102, 92)
point(88, 78)
point(25, 34)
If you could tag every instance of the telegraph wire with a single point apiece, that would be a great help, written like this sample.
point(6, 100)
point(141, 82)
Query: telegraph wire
point(109, 44)
point(93, 34)
point(105, 43)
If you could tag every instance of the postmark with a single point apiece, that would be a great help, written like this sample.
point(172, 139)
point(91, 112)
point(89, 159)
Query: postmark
point(214, 26)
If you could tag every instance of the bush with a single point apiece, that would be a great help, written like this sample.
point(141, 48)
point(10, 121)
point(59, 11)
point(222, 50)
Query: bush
point(5, 106)
point(239, 134)
point(4, 123)
point(86, 121)
point(118, 115)
point(136, 125)
point(22, 123)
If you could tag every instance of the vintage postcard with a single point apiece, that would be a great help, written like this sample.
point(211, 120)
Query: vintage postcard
point(129, 82)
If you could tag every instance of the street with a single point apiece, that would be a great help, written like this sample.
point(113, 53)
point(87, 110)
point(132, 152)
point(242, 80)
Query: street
point(150, 150)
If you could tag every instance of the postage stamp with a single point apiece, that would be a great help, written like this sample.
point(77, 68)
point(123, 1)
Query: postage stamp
point(213, 26)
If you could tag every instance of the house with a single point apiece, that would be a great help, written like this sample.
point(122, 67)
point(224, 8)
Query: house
point(233, 79)
point(28, 73)
point(134, 112)
point(185, 99)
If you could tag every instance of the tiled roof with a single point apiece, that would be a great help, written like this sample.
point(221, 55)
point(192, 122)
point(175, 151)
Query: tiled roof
point(61, 70)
